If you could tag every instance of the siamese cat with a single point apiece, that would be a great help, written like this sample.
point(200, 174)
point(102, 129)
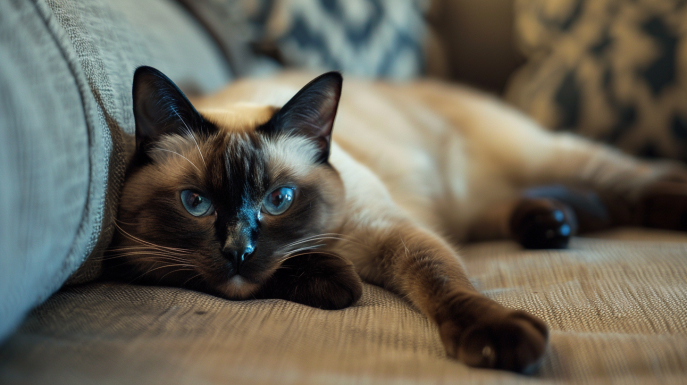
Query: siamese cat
point(251, 193)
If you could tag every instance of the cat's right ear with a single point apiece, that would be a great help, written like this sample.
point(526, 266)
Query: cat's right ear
point(161, 108)
point(311, 112)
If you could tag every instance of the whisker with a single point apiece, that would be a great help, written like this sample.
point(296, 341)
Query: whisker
point(174, 152)
point(325, 236)
point(311, 247)
point(146, 248)
point(153, 261)
point(290, 254)
point(195, 276)
point(306, 253)
point(175, 271)
point(190, 132)
point(162, 248)
point(143, 256)
point(164, 266)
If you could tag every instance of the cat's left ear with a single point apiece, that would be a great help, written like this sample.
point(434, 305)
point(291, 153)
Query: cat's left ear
point(161, 108)
point(311, 112)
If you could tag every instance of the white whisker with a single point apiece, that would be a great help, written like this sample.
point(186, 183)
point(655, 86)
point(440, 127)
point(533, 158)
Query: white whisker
point(164, 266)
point(190, 132)
point(173, 152)
point(152, 245)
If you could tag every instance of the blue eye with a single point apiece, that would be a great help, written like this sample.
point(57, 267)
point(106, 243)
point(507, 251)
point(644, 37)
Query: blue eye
point(196, 204)
point(278, 201)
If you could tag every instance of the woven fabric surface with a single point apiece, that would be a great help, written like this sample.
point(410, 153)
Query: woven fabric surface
point(43, 163)
point(617, 309)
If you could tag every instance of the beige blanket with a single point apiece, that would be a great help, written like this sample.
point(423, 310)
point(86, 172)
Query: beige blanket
point(617, 308)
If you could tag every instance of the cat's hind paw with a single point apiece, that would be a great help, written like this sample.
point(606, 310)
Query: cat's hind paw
point(541, 223)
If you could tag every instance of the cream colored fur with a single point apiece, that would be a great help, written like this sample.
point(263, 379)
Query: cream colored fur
point(444, 156)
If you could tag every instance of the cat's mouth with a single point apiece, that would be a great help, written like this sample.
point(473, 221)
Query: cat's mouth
point(243, 283)
point(238, 287)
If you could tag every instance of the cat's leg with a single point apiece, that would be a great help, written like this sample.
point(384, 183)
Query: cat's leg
point(634, 192)
point(507, 145)
point(324, 281)
point(392, 249)
point(423, 268)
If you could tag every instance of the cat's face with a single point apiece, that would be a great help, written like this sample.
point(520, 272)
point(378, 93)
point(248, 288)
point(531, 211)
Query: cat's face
point(218, 205)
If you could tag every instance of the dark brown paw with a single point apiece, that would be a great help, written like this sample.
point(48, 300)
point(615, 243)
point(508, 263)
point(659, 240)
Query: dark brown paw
point(319, 280)
point(514, 341)
point(540, 223)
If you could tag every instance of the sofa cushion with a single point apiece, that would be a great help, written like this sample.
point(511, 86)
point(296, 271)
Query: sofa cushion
point(65, 128)
point(369, 38)
point(615, 307)
point(44, 165)
point(612, 70)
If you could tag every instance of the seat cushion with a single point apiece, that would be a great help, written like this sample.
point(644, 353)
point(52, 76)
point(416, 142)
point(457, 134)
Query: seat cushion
point(615, 307)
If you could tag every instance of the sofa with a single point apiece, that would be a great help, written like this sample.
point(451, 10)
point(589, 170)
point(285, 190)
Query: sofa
point(616, 302)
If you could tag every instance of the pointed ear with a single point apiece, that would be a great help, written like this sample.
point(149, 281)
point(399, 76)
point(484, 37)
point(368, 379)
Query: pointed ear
point(161, 108)
point(311, 112)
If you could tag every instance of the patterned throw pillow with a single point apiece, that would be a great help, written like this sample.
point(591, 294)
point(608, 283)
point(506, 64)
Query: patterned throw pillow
point(369, 38)
point(612, 70)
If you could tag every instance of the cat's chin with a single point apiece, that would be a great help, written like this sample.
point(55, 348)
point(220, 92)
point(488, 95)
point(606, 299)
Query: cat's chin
point(238, 287)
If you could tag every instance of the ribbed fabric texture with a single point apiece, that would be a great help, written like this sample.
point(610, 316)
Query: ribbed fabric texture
point(617, 308)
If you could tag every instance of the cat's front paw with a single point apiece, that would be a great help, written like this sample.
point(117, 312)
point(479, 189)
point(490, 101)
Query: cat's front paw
point(319, 280)
point(514, 341)
point(540, 223)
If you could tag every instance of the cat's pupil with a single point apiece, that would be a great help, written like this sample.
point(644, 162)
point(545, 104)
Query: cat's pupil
point(196, 204)
point(277, 198)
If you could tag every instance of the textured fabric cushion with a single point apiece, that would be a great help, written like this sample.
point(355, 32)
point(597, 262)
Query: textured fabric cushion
point(65, 120)
point(44, 170)
point(369, 38)
point(616, 307)
point(612, 70)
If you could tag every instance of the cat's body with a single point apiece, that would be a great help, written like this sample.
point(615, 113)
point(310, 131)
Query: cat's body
point(411, 170)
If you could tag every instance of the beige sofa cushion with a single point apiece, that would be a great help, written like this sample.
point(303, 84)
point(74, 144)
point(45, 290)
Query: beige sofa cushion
point(616, 307)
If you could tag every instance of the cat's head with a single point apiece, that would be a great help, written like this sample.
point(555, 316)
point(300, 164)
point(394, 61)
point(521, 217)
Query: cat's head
point(216, 204)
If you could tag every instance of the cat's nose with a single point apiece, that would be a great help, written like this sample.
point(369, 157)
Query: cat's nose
point(238, 255)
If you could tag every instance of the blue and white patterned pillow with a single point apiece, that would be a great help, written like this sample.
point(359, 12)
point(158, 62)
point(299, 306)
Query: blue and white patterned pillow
point(612, 70)
point(369, 38)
